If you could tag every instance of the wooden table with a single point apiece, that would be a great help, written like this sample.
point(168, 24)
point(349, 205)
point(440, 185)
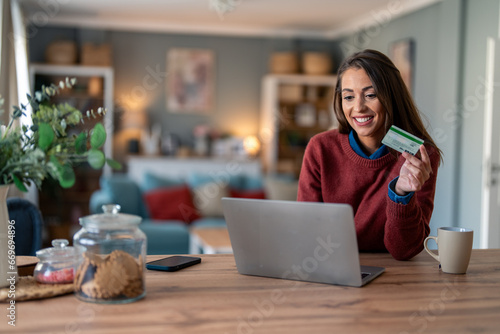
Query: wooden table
point(211, 240)
point(410, 297)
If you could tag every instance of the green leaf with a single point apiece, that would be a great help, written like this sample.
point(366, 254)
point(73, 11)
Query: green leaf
point(81, 143)
point(96, 158)
point(65, 173)
point(19, 184)
point(17, 112)
point(66, 176)
point(54, 160)
point(56, 163)
point(98, 136)
point(114, 164)
point(46, 136)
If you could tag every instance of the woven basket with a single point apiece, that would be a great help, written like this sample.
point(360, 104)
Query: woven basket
point(316, 63)
point(61, 52)
point(284, 63)
point(96, 55)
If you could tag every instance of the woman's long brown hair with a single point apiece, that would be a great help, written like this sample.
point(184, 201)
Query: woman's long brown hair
point(391, 91)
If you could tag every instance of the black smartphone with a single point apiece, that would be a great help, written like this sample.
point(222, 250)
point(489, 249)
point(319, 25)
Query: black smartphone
point(173, 263)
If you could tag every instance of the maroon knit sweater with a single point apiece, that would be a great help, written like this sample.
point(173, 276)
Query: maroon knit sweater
point(332, 172)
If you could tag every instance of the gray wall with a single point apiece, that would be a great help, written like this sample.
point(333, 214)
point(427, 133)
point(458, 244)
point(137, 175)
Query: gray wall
point(482, 21)
point(450, 39)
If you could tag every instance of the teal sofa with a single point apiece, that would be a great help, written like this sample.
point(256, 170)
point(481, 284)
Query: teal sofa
point(171, 236)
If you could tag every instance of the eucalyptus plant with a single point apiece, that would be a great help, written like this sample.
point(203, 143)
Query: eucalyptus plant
point(44, 149)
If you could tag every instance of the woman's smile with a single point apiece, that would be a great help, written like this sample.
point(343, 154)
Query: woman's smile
point(363, 120)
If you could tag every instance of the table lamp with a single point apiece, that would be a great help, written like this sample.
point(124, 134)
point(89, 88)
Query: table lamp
point(251, 144)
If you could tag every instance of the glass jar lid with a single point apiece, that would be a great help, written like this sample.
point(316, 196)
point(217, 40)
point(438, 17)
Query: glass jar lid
point(60, 252)
point(110, 219)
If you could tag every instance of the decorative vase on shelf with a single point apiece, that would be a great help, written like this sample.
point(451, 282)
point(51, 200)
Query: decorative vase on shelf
point(8, 269)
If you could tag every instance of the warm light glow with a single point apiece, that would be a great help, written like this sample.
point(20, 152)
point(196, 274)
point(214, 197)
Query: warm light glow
point(251, 145)
point(129, 102)
point(134, 120)
point(95, 86)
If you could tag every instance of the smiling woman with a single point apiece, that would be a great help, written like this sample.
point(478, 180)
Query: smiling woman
point(392, 194)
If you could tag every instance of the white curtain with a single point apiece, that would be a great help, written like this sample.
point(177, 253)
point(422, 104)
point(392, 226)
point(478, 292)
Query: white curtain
point(14, 75)
point(7, 65)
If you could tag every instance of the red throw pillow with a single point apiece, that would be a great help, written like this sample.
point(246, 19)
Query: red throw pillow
point(173, 203)
point(254, 194)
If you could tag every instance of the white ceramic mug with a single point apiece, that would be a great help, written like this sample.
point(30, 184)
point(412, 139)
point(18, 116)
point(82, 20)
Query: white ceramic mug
point(454, 248)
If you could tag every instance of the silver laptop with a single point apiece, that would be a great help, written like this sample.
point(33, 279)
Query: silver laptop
point(305, 241)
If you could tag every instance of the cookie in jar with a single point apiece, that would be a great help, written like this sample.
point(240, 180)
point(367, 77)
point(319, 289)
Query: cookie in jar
point(111, 265)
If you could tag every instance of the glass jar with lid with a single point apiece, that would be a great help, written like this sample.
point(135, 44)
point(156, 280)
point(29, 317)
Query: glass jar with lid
point(112, 262)
point(56, 264)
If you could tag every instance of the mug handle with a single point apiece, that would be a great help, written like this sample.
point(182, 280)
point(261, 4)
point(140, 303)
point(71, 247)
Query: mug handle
point(431, 253)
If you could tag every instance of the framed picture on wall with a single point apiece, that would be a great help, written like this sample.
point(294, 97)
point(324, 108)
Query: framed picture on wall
point(190, 80)
point(402, 53)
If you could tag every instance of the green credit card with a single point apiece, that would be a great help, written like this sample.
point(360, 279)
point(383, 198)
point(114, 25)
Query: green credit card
point(402, 141)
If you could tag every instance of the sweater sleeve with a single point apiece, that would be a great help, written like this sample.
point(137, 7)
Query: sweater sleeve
point(395, 197)
point(407, 225)
point(310, 175)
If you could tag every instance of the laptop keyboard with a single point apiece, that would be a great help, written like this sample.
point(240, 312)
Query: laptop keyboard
point(363, 275)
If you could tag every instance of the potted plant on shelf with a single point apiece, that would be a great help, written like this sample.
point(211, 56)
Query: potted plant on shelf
point(42, 150)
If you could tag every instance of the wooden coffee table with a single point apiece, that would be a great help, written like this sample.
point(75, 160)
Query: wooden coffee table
point(210, 240)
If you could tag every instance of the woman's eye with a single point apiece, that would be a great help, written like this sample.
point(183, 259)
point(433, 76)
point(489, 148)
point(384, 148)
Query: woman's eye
point(371, 96)
point(348, 97)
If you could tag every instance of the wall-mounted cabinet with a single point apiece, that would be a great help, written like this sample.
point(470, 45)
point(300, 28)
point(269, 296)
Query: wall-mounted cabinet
point(294, 108)
point(60, 207)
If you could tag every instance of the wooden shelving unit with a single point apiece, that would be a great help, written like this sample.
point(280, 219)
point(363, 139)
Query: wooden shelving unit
point(60, 207)
point(294, 108)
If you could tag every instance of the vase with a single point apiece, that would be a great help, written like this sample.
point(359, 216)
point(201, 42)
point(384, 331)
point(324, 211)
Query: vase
point(8, 268)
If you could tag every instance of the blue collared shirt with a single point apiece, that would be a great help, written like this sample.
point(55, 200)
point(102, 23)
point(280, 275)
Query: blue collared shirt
point(380, 152)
